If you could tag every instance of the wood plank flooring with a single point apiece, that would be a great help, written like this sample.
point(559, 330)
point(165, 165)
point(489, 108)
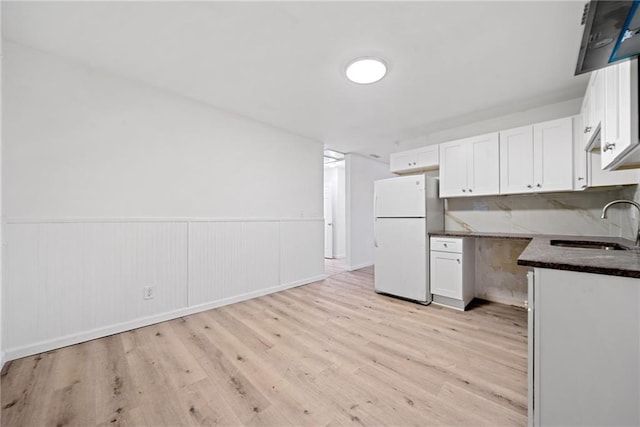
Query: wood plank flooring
point(327, 354)
point(333, 266)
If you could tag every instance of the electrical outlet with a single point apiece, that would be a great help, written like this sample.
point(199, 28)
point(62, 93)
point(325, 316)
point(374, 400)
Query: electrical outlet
point(147, 292)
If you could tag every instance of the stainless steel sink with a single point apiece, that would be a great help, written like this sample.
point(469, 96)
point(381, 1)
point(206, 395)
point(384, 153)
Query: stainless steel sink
point(603, 246)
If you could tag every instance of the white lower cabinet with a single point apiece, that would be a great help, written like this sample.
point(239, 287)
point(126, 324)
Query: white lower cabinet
point(452, 265)
point(584, 349)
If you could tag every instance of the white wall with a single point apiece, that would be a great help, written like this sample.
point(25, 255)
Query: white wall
point(360, 174)
point(111, 185)
point(520, 118)
point(85, 144)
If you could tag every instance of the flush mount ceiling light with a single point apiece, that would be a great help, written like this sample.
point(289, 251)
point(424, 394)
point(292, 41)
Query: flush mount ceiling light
point(366, 70)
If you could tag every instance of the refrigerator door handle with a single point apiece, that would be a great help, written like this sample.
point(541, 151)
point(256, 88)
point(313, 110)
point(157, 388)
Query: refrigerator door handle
point(375, 205)
point(375, 232)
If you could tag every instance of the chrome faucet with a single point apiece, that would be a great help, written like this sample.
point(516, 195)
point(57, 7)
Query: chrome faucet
point(630, 202)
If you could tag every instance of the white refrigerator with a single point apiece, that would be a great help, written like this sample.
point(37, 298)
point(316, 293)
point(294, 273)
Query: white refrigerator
point(406, 208)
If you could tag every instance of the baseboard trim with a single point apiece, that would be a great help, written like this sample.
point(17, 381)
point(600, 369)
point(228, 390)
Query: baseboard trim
point(43, 346)
point(359, 266)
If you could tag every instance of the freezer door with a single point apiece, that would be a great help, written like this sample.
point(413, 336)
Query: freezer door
point(401, 258)
point(402, 197)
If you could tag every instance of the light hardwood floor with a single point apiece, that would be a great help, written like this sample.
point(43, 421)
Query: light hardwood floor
point(333, 266)
point(329, 353)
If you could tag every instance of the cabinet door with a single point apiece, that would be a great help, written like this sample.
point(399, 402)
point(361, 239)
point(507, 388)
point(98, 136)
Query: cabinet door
point(596, 92)
point(531, 378)
point(446, 274)
point(587, 115)
point(553, 155)
point(580, 156)
point(586, 349)
point(427, 157)
point(402, 161)
point(453, 169)
point(516, 160)
point(620, 126)
point(483, 165)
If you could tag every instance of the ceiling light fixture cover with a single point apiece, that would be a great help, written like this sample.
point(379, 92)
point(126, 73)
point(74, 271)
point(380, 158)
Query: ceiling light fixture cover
point(366, 70)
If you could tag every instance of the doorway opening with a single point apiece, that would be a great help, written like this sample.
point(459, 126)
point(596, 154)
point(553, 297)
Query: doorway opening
point(334, 213)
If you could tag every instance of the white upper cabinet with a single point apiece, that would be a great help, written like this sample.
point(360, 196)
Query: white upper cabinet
point(453, 169)
point(599, 177)
point(596, 89)
point(537, 158)
point(470, 167)
point(399, 162)
point(586, 111)
point(516, 160)
point(553, 155)
point(428, 157)
point(619, 134)
point(593, 107)
point(592, 110)
point(484, 165)
point(423, 158)
point(586, 166)
point(580, 156)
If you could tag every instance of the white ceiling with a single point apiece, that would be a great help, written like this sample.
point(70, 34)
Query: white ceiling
point(282, 62)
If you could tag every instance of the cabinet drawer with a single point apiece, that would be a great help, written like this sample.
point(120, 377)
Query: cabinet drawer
point(446, 244)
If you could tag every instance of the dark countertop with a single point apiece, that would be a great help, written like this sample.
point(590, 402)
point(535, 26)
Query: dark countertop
point(488, 235)
point(540, 253)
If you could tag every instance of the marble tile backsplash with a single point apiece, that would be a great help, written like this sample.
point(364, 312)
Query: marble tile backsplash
point(498, 277)
point(575, 213)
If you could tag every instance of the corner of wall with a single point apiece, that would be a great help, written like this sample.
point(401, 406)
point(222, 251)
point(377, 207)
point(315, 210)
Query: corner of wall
point(347, 209)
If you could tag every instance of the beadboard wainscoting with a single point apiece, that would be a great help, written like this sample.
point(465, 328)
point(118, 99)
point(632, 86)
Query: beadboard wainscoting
point(68, 281)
